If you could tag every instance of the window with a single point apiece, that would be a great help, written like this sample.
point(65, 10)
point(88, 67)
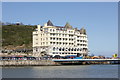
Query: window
point(50, 42)
point(63, 49)
point(72, 49)
point(50, 33)
point(75, 49)
point(56, 48)
point(53, 48)
point(36, 49)
point(69, 49)
point(66, 49)
point(59, 49)
point(60, 43)
point(80, 49)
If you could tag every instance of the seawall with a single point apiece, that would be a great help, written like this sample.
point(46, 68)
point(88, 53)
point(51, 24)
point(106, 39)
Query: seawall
point(28, 63)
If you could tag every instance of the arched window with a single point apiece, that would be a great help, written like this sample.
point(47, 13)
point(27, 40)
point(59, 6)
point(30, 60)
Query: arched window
point(72, 49)
point(59, 49)
point(66, 49)
point(75, 49)
point(63, 49)
point(69, 49)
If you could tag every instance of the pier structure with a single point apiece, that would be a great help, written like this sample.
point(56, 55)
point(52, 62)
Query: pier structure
point(87, 61)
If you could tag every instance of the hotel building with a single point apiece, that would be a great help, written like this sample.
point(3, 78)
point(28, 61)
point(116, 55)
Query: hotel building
point(59, 40)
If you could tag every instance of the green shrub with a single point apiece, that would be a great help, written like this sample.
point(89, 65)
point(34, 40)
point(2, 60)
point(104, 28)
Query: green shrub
point(17, 35)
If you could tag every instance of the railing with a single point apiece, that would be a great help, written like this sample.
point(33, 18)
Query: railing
point(85, 59)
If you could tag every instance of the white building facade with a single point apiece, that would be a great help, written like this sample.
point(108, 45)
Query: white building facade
point(59, 40)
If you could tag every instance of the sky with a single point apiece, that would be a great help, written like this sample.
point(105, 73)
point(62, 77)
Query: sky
point(60, 0)
point(100, 19)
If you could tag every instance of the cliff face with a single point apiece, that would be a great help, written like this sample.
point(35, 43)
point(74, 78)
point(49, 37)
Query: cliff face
point(17, 36)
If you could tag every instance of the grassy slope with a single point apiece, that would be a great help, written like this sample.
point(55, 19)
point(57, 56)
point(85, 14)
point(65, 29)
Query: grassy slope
point(17, 35)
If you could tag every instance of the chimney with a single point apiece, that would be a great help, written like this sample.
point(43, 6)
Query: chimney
point(38, 27)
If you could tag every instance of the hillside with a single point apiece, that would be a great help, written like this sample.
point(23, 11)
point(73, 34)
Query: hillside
point(17, 36)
